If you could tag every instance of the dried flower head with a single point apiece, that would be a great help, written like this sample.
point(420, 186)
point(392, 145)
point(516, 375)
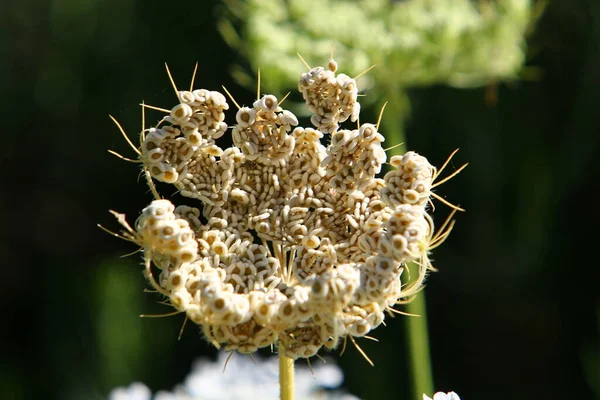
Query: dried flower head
point(285, 241)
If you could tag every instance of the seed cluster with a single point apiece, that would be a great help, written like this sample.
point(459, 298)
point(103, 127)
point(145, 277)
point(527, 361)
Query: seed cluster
point(331, 98)
point(292, 243)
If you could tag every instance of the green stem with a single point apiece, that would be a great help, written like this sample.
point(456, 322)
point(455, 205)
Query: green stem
point(286, 377)
point(418, 347)
point(416, 327)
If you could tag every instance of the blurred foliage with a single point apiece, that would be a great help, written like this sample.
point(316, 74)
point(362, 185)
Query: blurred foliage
point(415, 42)
point(512, 311)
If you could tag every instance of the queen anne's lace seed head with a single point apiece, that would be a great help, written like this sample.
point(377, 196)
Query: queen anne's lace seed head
point(288, 242)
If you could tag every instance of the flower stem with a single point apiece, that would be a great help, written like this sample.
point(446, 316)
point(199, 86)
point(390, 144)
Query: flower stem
point(286, 377)
point(418, 346)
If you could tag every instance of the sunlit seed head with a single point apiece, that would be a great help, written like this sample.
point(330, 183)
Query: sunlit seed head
point(289, 239)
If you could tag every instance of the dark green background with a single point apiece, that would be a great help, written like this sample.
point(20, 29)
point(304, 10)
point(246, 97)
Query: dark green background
point(514, 310)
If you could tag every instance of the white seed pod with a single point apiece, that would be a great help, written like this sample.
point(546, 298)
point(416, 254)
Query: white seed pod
point(219, 100)
point(376, 317)
point(220, 130)
point(332, 65)
point(180, 299)
point(166, 231)
point(155, 155)
point(359, 328)
point(317, 121)
point(263, 227)
point(367, 131)
point(245, 116)
point(194, 138)
point(170, 131)
point(176, 280)
point(412, 160)
point(411, 196)
point(344, 82)
point(239, 196)
point(264, 308)
point(287, 118)
point(156, 135)
point(186, 97)
point(185, 151)
point(214, 150)
point(218, 116)
point(190, 126)
point(340, 138)
point(298, 230)
point(385, 266)
point(315, 71)
point(220, 304)
point(385, 248)
point(200, 95)
point(192, 284)
point(311, 242)
point(422, 186)
point(220, 248)
point(400, 245)
point(184, 236)
point(250, 150)
point(396, 161)
point(268, 103)
point(181, 113)
point(186, 254)
point(211, 236)
point(367, 243)
point(164, 173)
point(160, 209)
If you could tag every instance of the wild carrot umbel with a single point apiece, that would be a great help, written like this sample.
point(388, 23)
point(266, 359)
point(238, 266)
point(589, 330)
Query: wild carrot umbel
point(284, 242)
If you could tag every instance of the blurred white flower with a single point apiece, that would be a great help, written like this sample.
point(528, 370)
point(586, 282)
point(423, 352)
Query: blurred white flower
point(461, 43)
point(135, 391)
point(442, 396)
point(244, 378)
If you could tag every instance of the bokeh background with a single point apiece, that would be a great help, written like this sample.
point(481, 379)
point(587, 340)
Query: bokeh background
point(514, 311)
